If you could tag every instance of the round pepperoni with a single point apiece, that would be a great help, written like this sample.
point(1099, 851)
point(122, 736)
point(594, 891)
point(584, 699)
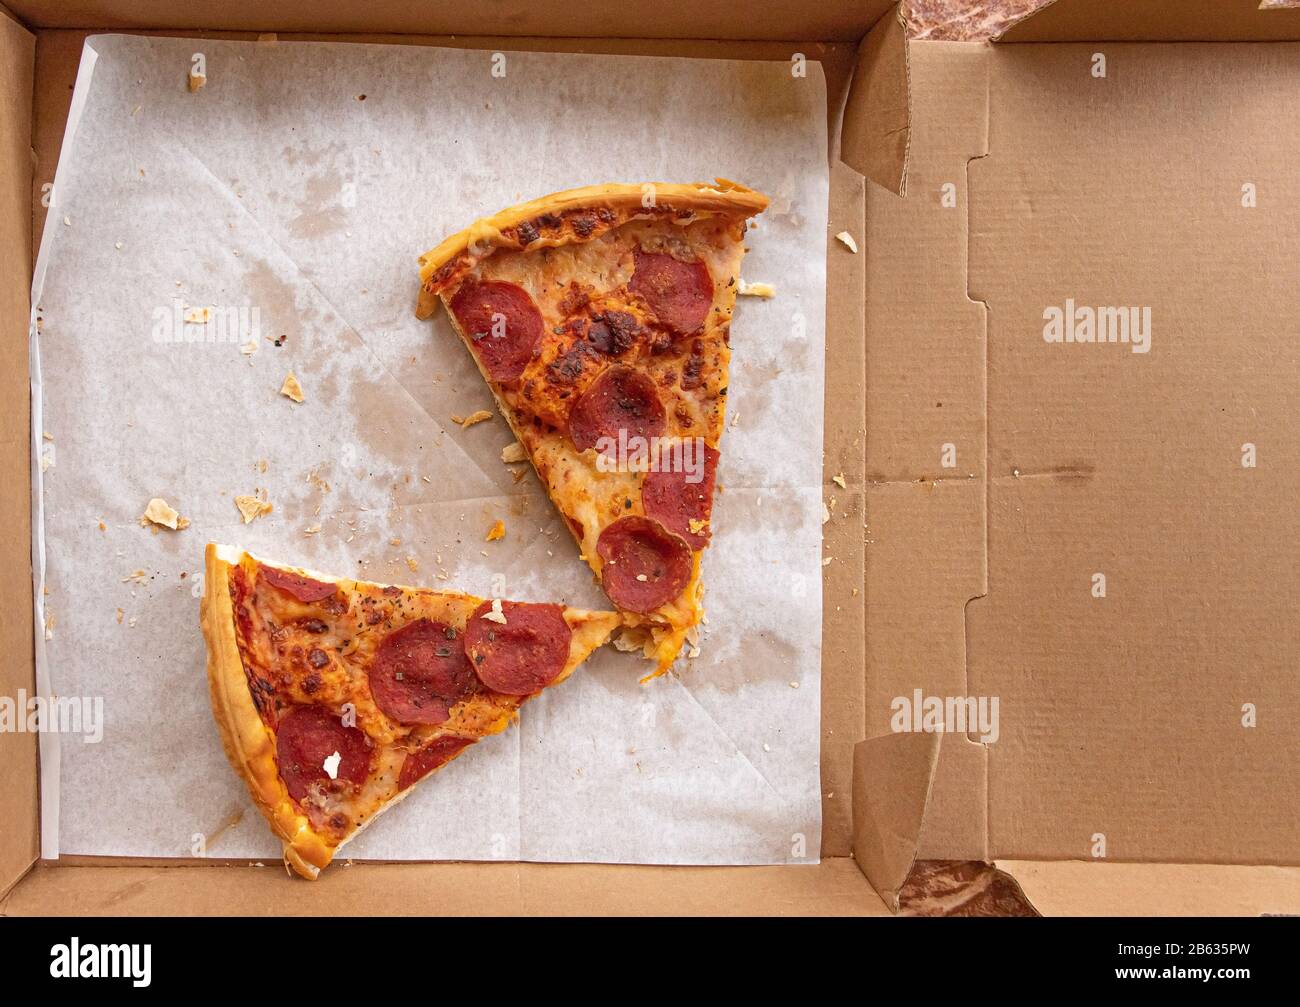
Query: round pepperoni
point(420, 672)
point(306, 737)
point(620, 404)
point(678, 494)
point(436, 753)
point(521, 655)
point(303, 588)
point(502, 324)
point(645, 565)
point(679, 293)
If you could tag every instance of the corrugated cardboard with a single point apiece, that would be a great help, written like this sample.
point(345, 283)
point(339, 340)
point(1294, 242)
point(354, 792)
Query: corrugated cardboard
point(984, 478)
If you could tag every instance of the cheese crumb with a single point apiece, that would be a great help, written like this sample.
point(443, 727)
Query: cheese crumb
point(848, 241)
point(496, 615)
point(838, 480)
point(331, 765)
point(476, 417)
point(764, 290)
point(497, 532)
point(513, 452)
point(291, 389)
point(696, 525)
point(160, 512)
point(252, 507)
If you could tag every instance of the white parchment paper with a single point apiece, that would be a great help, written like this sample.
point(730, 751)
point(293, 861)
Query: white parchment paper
point(285, 202)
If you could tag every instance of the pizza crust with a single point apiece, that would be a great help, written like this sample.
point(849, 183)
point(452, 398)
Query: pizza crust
point(249, 744)
point(623, 201)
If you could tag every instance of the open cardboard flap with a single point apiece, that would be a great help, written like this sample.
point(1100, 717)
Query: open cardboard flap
point(1097, 534)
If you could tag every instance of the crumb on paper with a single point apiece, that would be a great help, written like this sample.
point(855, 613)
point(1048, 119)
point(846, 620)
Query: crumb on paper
point(474, 417)
point(47, 435)
point(67, 221)
point(513, 452)
point(826, 512)
point(496, 615)
point(248, 348)
point(827, 561)
point(252, 507)
point(312, 530)
point(290, 388)
point(160, 512)
point(120, 615)
point(735, 418)
point(764, 290)
point(136, 576)
point(848, 242)
point(197, 80)
point(838, 480)
point(497, 532)
point(197, 316)
point(412, 564)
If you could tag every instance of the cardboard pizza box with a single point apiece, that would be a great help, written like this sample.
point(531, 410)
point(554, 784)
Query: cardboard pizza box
point(993, 472)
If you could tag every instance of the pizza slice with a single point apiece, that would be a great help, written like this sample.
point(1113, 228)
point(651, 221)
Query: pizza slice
point(334, 697)
point(600, 318)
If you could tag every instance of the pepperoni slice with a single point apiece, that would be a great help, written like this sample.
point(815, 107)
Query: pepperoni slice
point(419, 672)
point(679, 293)
point(307, 736)
point(620, 401)
point(677, 494)
point(436, 753)
point(303, 588)
point(645, 565)
point(501, 322)
point(522, 655)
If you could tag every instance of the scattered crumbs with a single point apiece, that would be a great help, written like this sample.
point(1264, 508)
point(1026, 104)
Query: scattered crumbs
point(196, 79)
point(767, 747)
point(160, 512)
point(102, 526)
point(197, 316)
point(855, 592)
point(794, 685)
point(120, 615)
point(496, 615)
point(248, 348)
point(136, 110)
point(67, 221)
point(426, 479)
point(697, 525)
point(290, 388)
point(394, 541)
point(117, 245)
point(252, 507)
point(312, 530)
point(764, 290)
point(827, 561)
point(475, 417)
point(513, 452)
point(848, 241)
point(838, 480)
point(136, 576)
point(735, 418)
point(826, 513)
point(412, 564)
point(130, 623)
point(497, 532)
point(47, 435)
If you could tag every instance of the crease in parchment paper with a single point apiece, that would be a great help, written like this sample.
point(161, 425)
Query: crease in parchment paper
point(234, 196)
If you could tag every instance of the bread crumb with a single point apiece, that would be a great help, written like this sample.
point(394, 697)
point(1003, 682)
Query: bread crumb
point(475, 417)
point(160, 512)
point(496, 615)
point(412, 564)
point(497, 532)
point(848, 241)
point(197, 80)
point(291, 389)
point(197, 316)
point(763, 290)
point(826, 513)
point(120, 615)
point(252, 507)
point(838, 480)
point(513, 452)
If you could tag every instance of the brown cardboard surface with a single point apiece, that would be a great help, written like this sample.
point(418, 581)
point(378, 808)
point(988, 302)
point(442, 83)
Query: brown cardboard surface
point(1074, 888)
point(876, 115)
point(1157, 21)
point(18, 779)
point(834, 887)
point(831, 20)
point(1123, 715)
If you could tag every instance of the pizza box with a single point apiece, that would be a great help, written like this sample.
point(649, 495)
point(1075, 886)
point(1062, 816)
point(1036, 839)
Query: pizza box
point(1089, 537)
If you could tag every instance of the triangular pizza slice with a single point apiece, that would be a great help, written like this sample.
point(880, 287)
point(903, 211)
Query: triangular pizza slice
point(334, 696)
point(600, 318)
